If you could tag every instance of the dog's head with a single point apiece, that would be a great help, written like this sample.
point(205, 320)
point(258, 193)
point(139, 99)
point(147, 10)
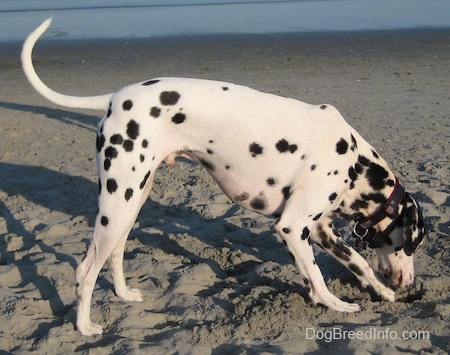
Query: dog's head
point(398, 243)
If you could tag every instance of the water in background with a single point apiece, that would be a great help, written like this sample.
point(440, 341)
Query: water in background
point(79, 19)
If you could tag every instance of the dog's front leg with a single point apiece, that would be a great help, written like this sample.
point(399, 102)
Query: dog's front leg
point(296, 233)
point(325, 235)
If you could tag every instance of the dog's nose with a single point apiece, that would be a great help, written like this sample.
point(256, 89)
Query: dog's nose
point(398, 278)
point(401, 279)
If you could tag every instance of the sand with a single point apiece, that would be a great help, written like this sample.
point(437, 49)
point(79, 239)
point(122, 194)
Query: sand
point(216, 279)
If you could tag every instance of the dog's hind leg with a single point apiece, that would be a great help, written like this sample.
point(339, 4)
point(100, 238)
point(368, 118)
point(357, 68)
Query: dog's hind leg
point(116, 262)
point(118, 209)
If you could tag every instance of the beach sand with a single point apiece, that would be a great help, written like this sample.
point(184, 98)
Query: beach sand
point(215, 277)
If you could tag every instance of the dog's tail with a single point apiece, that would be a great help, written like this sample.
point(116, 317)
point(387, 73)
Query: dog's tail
point(100, 102)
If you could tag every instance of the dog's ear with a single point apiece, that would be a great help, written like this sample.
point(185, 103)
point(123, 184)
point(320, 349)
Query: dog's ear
point(414, 228)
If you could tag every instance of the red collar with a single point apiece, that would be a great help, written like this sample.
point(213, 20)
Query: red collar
point(388, 209)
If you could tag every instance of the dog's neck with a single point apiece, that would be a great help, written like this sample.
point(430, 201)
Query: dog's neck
point(375, 185)
point(387, 212)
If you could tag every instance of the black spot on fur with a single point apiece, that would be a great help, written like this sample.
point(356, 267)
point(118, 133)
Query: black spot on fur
point(286, 192)
point(356, 269)
point(127, 105)
point(259, 202)
point(255, 149)
point(111, 185)
point(303, 157)
point(104, 221)
point(142, 158)
point(358, 168)
point(132, 129)
point(179, 118)
point(317, 216)
point(305, 233)
point(109, 110)
point(128, 145)
point(107, 164)
point(111, 152)
point(227, 167)
point(207, 164)
point(116, 139)
point(341, 252)
point(376, 197)
point(283, 146)
point(363, 160)
point(352, 173)
point(324, 242)
point(100, 142)
point(342, 146)
point(323, 107)
point(99, 187)
point(144, 180)
point(286, 230)
point(376, 176)
point(358, 205)
point(313, 167)
point(242, 197)
point(271, 181)
point(128, 194)
point(155, 112)
point(150, 82)
point(209, 151)
point(169, 98)
point(144, 143)
point(354, 143)
point(332, 197)
point(375, 154)
point(225, 88)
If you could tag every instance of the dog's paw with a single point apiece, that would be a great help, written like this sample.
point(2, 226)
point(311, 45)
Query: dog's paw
point(131, 294)
point(385, 292)
point(388, 295)
point(335, 303)
point(89, 328)
point(347, 307)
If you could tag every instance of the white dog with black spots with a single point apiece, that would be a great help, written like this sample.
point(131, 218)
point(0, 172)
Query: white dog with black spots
point(300, 163)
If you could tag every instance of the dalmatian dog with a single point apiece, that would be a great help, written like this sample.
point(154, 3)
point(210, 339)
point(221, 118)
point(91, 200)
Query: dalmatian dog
point(302, 164)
